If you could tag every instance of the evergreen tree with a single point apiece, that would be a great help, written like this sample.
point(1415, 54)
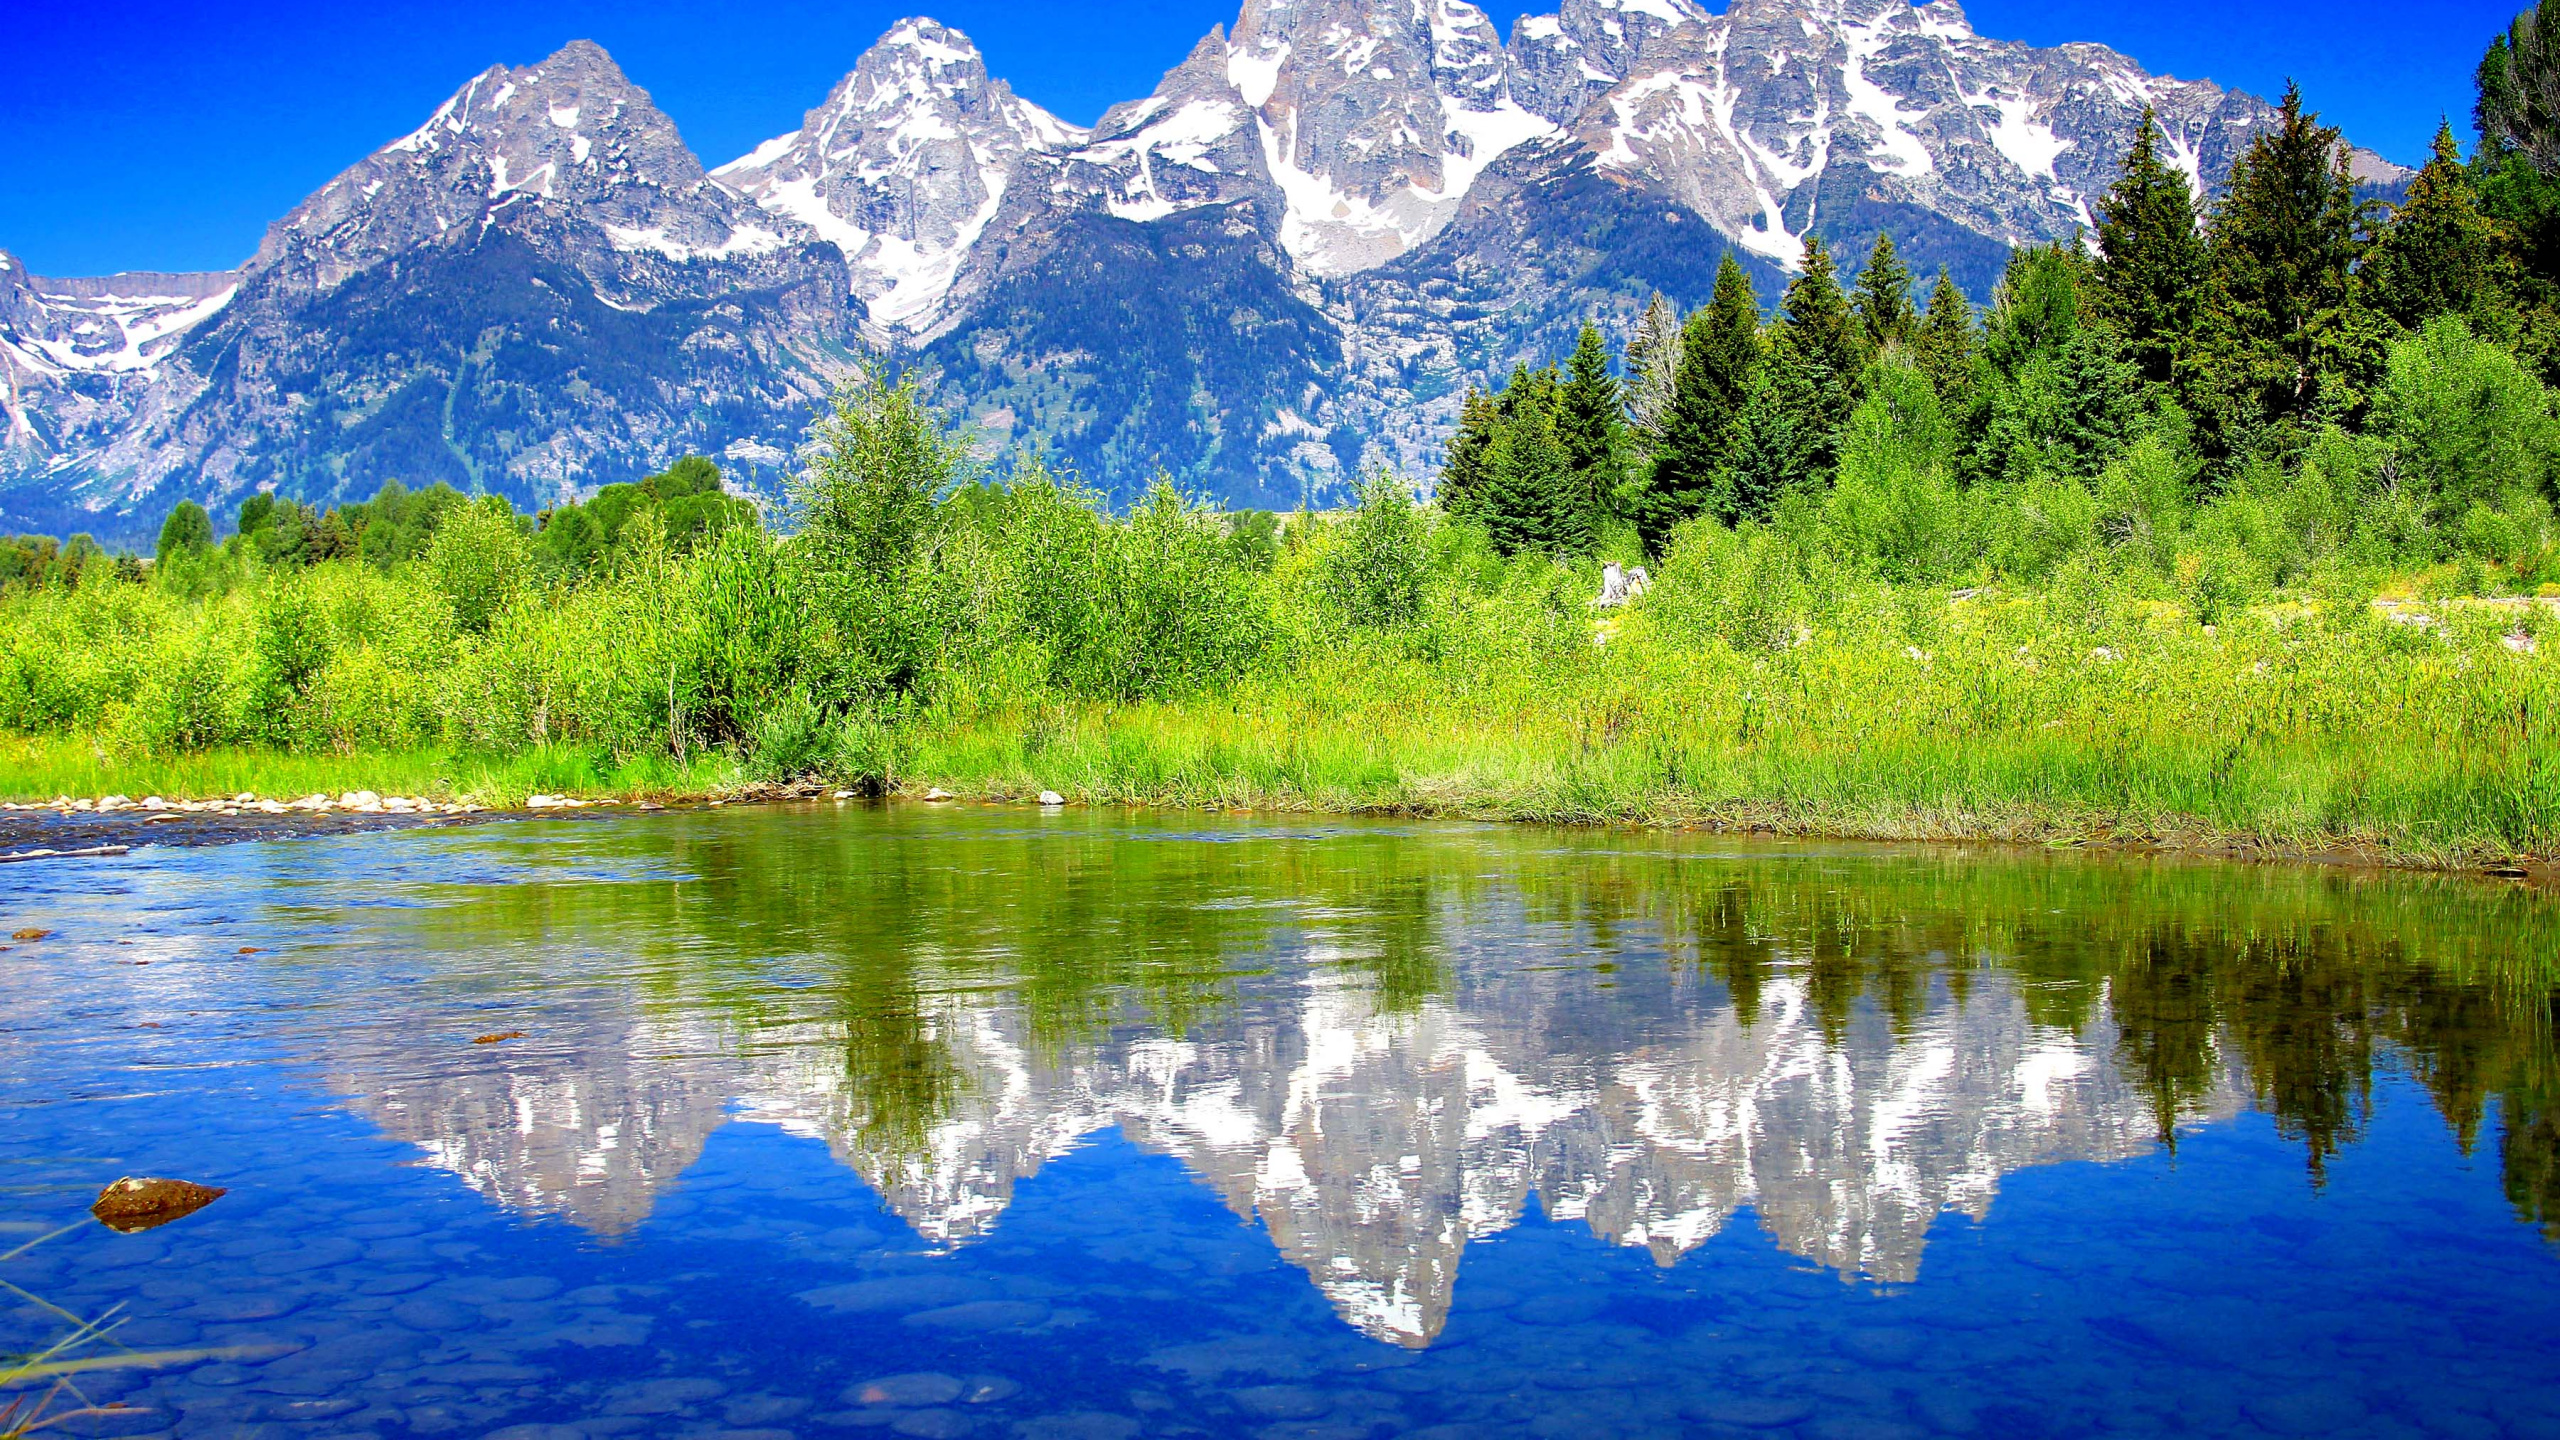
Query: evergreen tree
point(1653, 363)
point(1465, 475)
point(2439, 254)
point(2516, 172)
point(1589, 420)
point(2285, 239)
point(1770, 449)
point(2151, 260)
point(1719, 351)
point(1883, 299)
point(1529, 478)
point(1945, 346)
point(1826, 349)
point(2037, 307)
point(1529, 387)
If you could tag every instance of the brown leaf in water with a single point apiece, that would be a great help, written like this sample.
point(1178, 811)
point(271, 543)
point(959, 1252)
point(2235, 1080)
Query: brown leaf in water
point(495, 1038)
point(248, 949)
point(30, 934)
point(141, 1202)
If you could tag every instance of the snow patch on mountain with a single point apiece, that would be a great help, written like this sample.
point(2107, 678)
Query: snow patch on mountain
point(903, 167)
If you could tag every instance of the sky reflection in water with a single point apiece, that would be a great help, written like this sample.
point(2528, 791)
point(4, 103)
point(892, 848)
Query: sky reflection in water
point(838, 1120)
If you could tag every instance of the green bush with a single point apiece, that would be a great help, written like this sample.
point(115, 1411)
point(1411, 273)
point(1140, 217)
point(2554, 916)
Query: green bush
point(479, 560)
point(2465, 424)
point(1375, 571)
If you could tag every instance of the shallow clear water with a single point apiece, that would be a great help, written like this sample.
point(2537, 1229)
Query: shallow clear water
point(840, 1120)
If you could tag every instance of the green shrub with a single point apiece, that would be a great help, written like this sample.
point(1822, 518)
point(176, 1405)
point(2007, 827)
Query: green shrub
point(480, 558)
point(1376, 568)
point(2465, 424)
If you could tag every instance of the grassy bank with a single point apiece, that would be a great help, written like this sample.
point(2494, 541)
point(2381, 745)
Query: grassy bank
point(2280, 731)
point(43, 768)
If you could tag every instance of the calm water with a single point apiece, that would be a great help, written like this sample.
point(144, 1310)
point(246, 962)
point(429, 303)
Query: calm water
point(844, 1121)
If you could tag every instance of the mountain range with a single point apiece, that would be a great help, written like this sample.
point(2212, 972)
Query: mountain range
point(1284, 265)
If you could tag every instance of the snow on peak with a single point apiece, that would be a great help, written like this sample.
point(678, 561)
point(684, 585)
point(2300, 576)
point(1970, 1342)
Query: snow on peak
point(903, 166)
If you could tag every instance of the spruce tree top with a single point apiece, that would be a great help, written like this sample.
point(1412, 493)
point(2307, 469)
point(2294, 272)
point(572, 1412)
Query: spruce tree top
point(1817, 323)
point(1883, 301)
point(2151, 260)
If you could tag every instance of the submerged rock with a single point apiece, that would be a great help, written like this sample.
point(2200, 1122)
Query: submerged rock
point(141, 1202)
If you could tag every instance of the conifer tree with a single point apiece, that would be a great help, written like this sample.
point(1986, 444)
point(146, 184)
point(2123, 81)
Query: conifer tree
point(2037, 307)
point(1945, 346)
point(2151, 260)
point(2284, 240)
point(1719, 351)
point(1820, 334)
point(1653, 362)
point(2439, 254)
point(1770, 449)
point(1883, 298)
point(1529, 477)
point(1465, 475)
point(1590, 421)
point(1589, 411)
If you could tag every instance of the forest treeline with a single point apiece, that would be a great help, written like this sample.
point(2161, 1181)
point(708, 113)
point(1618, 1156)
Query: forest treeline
point(2228, 399)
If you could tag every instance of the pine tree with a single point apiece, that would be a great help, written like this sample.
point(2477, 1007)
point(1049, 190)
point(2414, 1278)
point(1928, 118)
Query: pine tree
point(1588, 417)
point(1530, 476)
point(2284, 241)
point(1653, 361)
point(1770, 450)
point(1719, 351)
point(1945, 346)
point(2439, 254)
point(1820, 335)
point(2037, 307)
point(1465, 476)
point(2151, 260)
point(1883, 299)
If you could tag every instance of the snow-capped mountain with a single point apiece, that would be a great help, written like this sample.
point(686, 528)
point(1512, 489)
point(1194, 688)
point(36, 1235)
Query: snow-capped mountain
point(903, 166)
point(1283, 264)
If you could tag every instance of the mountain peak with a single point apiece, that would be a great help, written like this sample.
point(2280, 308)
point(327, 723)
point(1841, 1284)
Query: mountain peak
point(903, 165)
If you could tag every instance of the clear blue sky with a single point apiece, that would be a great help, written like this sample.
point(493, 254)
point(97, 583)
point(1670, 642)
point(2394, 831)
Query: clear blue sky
point(153, 136)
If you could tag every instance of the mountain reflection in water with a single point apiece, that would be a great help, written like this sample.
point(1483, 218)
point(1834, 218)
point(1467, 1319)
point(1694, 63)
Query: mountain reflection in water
point(1383, 1042)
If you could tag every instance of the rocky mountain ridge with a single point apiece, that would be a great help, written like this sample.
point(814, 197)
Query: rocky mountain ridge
point(1282, 265)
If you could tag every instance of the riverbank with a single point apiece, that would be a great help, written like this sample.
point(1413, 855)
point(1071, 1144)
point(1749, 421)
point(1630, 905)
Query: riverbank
point(2272, 799)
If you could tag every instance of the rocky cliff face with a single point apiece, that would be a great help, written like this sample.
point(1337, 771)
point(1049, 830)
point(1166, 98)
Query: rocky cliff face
point(1283, 264)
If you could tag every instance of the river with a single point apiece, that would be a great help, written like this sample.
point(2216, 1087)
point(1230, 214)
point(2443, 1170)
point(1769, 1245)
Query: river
point(845, 1119)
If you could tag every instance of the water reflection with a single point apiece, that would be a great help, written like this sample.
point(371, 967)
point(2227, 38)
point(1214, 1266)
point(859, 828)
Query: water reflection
point(1380, 1044)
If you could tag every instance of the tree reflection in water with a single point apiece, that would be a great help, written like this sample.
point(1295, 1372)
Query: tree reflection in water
point(1380, 1039)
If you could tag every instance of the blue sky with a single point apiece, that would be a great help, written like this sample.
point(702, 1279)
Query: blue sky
point(153, 136)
